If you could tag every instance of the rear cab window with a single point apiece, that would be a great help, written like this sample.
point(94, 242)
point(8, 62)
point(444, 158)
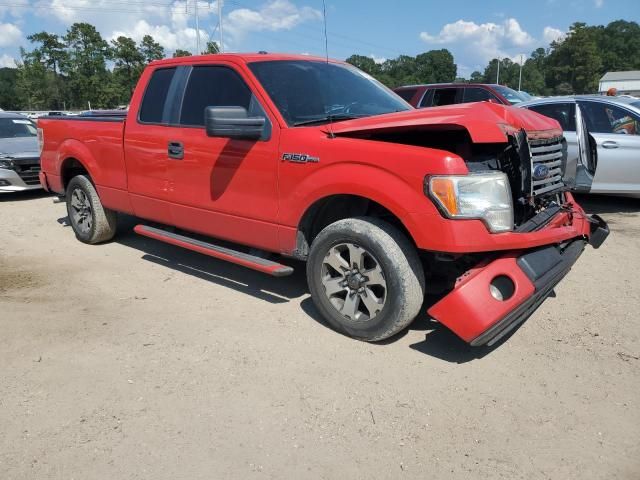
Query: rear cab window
point(154, 103)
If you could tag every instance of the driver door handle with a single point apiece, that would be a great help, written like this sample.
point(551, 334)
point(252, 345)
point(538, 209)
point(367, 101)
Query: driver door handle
point(175, 150)
point(609, 144)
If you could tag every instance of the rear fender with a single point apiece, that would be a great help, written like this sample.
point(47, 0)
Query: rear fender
point(76, 150)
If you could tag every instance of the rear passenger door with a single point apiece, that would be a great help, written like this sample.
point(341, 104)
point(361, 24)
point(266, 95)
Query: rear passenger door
point(222, 187)
point(145, 146)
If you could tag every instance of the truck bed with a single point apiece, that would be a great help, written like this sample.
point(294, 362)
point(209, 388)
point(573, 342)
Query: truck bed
point(97, 139)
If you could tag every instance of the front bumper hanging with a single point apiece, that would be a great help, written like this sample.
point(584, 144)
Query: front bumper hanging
point(492, 299)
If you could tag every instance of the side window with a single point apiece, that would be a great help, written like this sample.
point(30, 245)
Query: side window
point(444, 96)
point(476, 94)
point(213, 87)
point(606, 118)
point(407, 93)
point(155, 96)
point(427, 98)
point(564, 113)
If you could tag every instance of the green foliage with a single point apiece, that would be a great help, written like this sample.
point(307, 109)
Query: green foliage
point(434, 66)
point(76, 69)
point(150, 49)
point(212, 47)
point(8, 94)
point(181, 53)
point(575, 64)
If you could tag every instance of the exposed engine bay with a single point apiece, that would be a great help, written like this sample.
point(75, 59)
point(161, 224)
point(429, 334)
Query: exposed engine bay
point(535, 167)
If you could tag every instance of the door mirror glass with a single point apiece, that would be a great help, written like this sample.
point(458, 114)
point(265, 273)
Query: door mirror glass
point(233, 122)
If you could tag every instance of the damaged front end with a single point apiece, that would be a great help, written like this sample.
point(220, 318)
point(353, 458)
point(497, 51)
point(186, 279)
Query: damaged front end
point(505, 288)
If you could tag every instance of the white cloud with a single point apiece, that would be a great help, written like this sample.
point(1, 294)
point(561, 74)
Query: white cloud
point(7, 61)
point(598, 3)
point(276, 15)
point(10, 35)
point(481, 42)
point(377, 59)
point(551, 34)
point(169, 38)
point(172, 23)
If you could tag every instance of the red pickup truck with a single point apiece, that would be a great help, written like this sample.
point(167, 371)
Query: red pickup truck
point(313, 159)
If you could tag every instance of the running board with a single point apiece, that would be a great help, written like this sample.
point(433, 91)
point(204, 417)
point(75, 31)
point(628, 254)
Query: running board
point(222, 253)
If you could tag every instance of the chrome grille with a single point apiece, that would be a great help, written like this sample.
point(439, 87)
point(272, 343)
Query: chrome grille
point(550, 154)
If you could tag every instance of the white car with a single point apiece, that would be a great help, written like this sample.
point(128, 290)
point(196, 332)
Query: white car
point(603, 140)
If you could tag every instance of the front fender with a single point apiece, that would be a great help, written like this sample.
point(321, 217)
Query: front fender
point(398, 195)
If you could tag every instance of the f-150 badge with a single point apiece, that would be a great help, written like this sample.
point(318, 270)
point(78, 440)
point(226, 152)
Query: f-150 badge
point(299, 158)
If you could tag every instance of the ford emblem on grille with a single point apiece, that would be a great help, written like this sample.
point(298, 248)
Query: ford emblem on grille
point(540, 172)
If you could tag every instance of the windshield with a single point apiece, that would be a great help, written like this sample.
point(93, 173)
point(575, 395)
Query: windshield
point(17, 127)
point(511, 95)
point(307, 92)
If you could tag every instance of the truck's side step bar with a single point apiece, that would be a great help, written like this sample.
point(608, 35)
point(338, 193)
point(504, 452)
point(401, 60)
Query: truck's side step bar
point(216, 251)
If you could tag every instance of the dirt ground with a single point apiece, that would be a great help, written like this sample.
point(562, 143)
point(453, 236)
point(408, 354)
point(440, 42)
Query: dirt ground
point(136, 360)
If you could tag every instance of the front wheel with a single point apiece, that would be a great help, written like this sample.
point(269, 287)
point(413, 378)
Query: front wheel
point(91, 222)
point(365, 278)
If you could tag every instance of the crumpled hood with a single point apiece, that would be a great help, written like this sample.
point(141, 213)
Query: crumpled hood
point(486, 122)
point(20, 147)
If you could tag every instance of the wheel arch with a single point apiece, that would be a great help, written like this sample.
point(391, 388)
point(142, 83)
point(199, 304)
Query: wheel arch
point(331, 208)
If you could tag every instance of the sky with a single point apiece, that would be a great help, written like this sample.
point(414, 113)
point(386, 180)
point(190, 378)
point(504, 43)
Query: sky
point(474, 31)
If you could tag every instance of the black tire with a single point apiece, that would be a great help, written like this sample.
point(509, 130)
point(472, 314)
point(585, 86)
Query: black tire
point(401, 269)
point(96, 223)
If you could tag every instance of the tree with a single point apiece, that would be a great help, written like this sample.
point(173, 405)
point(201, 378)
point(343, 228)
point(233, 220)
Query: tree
point(9, 99)
point(181, 53)
point(576, 60)
point(477, 77)
point(150, 49)
point(212, 47)
point(33, 81)
point(85, 65)
point(128, 62)
point(366, 64)
point(436, 66)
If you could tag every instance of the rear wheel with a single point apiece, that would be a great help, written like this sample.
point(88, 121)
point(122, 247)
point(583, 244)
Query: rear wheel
point(91, 222)
point(365, 278)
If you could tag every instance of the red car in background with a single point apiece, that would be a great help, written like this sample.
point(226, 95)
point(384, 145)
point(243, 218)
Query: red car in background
point(438, 94)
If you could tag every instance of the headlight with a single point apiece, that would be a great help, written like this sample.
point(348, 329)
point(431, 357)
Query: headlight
point(484, 196)
point(6, 162)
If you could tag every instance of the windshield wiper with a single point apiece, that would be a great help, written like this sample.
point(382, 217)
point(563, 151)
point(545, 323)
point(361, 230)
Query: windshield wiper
point(329, 118)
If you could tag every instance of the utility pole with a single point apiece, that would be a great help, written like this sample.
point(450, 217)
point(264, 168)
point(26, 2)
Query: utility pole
point(197, 30)
point(520, 79)
point(498, 74)
point(219, 3)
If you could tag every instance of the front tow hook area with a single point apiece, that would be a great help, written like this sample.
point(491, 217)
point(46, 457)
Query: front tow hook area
point(489, 301)
point(599, 231)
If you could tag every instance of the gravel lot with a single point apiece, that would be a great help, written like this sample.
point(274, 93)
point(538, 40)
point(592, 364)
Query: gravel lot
point(139, 360)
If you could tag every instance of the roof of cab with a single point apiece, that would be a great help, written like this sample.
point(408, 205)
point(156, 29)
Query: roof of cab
point(240, 57)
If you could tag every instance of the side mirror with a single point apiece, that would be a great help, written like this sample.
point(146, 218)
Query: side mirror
point(232, 122)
